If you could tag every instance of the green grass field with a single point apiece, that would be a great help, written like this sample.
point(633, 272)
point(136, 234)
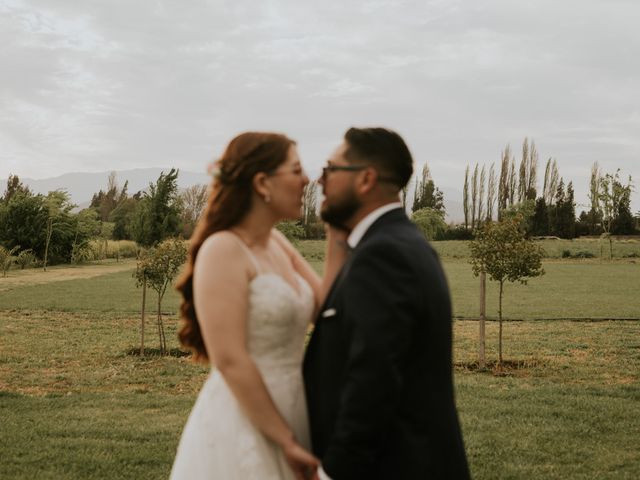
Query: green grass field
point(76, 404)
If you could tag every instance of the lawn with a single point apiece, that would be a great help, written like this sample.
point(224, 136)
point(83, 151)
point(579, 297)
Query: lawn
point(76, 403)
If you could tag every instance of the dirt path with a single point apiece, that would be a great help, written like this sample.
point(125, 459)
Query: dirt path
point(32, 276)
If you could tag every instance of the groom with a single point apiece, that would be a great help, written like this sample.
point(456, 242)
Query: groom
point(378, 371)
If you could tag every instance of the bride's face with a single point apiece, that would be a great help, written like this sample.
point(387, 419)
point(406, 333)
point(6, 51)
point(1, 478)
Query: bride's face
point(288, 182)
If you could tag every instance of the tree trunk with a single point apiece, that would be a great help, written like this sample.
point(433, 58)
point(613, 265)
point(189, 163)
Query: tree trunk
point(144, 302)
point(500, 325)
point(610, 248)
point(46, 245)
point(159, 327)
point(483, 304)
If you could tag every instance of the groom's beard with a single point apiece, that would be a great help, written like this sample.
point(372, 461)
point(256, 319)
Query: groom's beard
point(338, 214)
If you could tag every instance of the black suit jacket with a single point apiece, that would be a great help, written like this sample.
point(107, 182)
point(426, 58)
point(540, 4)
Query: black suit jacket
point(378, 368)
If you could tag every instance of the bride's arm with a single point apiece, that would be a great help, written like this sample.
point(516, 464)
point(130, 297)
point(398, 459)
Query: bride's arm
point(221, 289)
point(335, 256)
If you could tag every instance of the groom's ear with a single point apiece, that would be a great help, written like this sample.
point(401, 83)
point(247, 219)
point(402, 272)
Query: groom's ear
point(367, 180)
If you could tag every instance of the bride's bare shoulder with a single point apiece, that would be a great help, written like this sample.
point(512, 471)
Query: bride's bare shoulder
point(221, 246)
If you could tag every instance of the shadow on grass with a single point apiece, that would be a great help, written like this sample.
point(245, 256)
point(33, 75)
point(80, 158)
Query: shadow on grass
point(155, 352)
point(506, 369)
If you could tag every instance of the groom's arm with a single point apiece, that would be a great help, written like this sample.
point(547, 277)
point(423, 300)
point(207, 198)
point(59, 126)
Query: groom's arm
point(380, 316)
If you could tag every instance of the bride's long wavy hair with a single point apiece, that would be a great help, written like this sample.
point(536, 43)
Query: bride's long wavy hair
point(229, 201)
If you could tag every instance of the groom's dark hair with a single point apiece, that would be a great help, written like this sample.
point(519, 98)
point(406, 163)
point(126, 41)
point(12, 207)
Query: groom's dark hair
point(382, 148)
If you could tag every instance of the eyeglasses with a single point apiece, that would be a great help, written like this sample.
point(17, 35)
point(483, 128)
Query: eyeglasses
point(353, 168)
point(346, 168)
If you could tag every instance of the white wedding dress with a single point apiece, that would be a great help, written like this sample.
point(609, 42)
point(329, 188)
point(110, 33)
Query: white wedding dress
point(218, 440)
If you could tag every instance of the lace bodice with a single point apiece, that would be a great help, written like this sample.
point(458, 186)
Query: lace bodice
point(277, 320)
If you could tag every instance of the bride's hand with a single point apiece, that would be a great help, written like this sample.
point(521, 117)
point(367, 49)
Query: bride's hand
point(302, 462)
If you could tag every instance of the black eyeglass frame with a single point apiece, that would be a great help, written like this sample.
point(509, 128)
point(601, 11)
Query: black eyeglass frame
point(353, 168)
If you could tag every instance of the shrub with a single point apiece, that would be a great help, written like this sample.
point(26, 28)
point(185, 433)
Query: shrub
point(292, 230)
point(26, 258)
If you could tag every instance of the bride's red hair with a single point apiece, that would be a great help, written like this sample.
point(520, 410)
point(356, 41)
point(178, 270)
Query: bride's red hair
point(230, 199)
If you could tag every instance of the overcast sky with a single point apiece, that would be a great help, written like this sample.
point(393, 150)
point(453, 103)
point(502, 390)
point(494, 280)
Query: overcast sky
point(98, 85)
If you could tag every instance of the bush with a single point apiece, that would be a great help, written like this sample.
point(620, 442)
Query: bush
point(578, 254)
point(83, 252)
point(292, 230)
point(458, 232)
point(314, 231)
point(26, 258)
point(114, 249)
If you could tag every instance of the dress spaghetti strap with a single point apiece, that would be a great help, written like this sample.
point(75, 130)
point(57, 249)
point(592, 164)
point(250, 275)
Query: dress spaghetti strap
point(247, 251)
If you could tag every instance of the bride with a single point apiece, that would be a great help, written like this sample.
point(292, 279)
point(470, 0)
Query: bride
point(248, 298)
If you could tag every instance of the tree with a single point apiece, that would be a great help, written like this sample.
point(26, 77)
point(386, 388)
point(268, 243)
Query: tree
point(524, 168)
point(14, 186)
point(595, 213)
point(105, 202)
point(502, 251)
point(465, 197)
point(7, 259)
point(614, 199)
point(158, 213)
point(623, 219)
point(513, 184)
point(474, 196)
point(532, 173)
point(551, 178)
point(193, 201)
point(310, 203)
point(481, 207)
point(123, 217)
point(491, 193)
point(503, 185)
point(430, 222)
point(427, 195)
point(540, 219)
point(157, 269)
point(87, 226)
point(57, 211)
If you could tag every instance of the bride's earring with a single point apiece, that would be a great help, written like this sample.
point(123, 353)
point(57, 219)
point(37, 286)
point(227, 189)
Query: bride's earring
point(267, 198)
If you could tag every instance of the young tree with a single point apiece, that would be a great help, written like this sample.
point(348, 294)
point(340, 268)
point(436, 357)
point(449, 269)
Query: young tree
point(502, 251)
point(7, 259)
point(157, 270)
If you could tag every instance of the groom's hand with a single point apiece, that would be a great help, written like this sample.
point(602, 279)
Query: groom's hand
point(302, 462)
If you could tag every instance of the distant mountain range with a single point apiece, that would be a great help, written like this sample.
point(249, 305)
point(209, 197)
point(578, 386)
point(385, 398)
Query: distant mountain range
point(81, 186)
